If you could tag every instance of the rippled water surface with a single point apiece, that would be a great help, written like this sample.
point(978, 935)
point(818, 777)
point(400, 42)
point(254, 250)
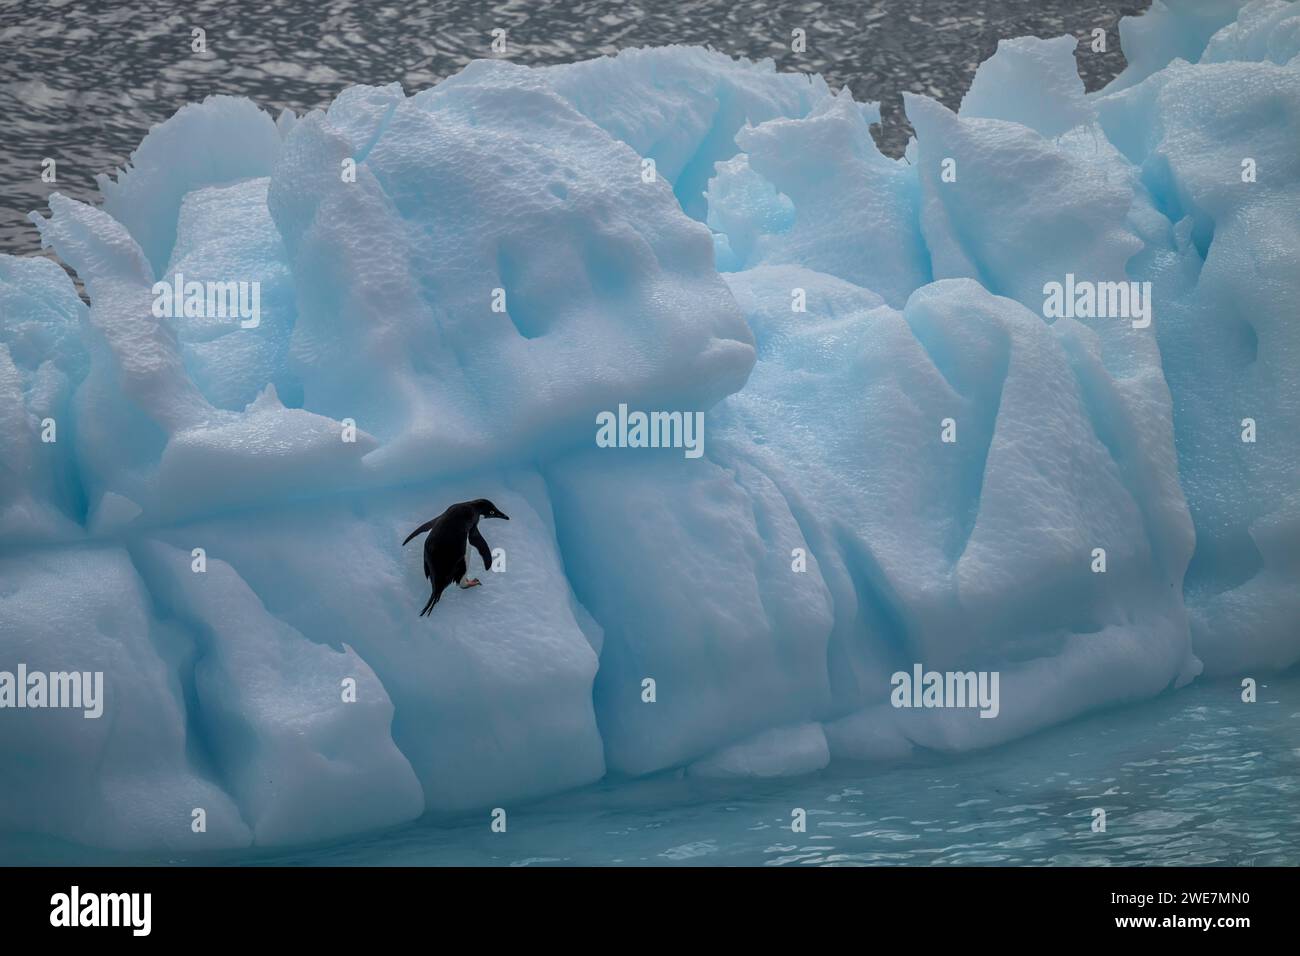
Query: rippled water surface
point(1195, 777)
point(81, 81)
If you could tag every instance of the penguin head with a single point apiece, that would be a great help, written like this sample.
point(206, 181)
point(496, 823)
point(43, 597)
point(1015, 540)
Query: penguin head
point(487, 509)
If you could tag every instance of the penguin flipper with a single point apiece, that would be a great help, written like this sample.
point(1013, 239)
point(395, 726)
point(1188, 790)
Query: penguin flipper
point(481, 546)
point(420, 530)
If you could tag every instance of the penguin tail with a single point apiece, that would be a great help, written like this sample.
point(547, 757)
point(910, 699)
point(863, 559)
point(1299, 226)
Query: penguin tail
point(420, 530)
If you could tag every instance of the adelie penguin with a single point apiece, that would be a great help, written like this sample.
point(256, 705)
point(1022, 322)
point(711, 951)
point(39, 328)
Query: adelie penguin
point(444, 549)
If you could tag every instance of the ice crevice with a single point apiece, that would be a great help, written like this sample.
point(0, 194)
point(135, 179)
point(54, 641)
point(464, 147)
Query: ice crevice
point(825, 308)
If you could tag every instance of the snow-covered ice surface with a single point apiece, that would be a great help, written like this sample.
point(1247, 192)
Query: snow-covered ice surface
point(453, 285)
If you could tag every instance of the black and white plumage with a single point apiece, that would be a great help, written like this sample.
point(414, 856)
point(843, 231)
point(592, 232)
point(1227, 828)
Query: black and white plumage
point(445, 547)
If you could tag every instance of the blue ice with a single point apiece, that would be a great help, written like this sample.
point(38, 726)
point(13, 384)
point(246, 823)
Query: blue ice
point(905, 460)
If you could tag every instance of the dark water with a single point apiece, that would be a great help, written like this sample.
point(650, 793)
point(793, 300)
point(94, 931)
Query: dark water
point(1195, 777)
point(81, 81)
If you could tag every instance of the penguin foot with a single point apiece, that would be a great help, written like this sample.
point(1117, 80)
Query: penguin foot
point(471, 583)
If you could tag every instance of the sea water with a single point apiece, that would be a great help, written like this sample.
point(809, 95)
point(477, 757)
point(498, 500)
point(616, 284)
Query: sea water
point(1196, 777)
point(1193, 778)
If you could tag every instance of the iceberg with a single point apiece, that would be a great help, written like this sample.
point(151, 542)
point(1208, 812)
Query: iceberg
point(908, 459)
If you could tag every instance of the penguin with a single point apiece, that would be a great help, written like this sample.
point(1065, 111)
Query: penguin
point(444, 549)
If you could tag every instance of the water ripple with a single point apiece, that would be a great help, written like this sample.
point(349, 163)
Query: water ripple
point(83, 80)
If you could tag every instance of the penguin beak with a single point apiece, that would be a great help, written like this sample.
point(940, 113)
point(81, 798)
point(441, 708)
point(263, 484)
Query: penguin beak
point(501, 514)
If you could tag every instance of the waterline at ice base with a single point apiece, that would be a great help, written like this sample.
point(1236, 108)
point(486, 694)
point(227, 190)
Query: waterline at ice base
point(813, 459)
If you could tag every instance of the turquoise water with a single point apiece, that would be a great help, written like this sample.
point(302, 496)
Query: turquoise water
point(1195, 777)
